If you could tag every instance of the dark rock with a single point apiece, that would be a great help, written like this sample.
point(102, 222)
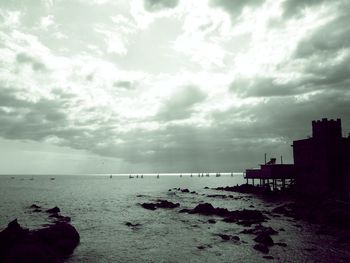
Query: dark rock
point(262, 248)
point(281, 244)
point(185, 210)
point(206, 187)
point(166, 204)
point(133, 226)
point(201, 247)
point(245, 217)
point(35, 206)
point(225, 237)
point(264, 239)
point(53, 210)
point(50, 244)
point(211, 221)
point(149, 206)
point(236, 238)
point(194, 192)
point(37, 210)
point(160, 204)
point(268, 257)
point(185, 190)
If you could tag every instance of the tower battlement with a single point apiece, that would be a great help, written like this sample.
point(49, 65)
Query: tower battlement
point(322, 129)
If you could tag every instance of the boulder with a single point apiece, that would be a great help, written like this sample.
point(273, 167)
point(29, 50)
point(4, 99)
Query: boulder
point(50, 244)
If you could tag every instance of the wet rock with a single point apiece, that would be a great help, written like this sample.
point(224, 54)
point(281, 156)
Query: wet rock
point(185, 210)
point(260, 229)
point(245, 217)
point(235, 238)
point(268, 257)
point(166, 204)
point(281, 244)
point(262, 248)
point(201, 247)
point(194, 192)
point(160, 204)
point(225, 237)
point(206, 187)
point(35, 206)
point(149, 206)
point(50, 244)
point(211, 221)
point(53, 210)
point(37, 210)
point(217, 196)
point(185, 190)
point(264, 239)
point(133, 226)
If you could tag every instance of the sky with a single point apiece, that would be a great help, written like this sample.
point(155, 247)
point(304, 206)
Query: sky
point(142, 86)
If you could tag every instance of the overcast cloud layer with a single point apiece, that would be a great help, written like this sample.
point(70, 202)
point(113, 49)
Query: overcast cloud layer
point(106, 86)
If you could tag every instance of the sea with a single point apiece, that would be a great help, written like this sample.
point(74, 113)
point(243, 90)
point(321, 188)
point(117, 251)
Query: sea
point(101, 205)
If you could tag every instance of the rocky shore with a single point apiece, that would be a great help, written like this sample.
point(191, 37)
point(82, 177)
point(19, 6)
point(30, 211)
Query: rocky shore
point(329, 215)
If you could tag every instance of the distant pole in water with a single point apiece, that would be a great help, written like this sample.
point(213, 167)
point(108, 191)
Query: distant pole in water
point(191, 174)
point(231, 174)
point(180, 175)
point(157, 176)
point(281, 159)
point(141, 175)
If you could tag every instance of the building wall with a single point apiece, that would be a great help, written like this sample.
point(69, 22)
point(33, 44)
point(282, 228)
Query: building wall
point(322, 162)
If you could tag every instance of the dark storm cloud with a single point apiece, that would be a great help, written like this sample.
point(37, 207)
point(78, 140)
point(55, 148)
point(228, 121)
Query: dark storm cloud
point(31, 120)
point(235, 7)
point(180, 105)
point(157, 5)
point(36, 64)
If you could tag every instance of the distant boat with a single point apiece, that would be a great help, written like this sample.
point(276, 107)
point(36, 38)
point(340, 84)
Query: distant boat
point(157, 176)
point(52, 178)
point(110, 176)
point(141, 175)
point(218, 175)
point(130, 176)
point(137, 176)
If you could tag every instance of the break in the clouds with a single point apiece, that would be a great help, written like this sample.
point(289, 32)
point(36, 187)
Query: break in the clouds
point(166, 85)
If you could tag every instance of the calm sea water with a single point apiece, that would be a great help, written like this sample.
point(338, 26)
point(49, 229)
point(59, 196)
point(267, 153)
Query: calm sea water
point(99, 207)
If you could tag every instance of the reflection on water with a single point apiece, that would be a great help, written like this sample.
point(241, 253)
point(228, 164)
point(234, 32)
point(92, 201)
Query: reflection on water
point(100, 206)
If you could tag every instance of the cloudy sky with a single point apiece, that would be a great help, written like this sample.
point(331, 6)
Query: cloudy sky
point(114, 86)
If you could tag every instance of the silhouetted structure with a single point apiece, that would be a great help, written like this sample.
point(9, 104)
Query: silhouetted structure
point(284, 173)
point(322, 162)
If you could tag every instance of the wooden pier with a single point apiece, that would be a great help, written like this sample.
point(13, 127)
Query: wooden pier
point(272, 174)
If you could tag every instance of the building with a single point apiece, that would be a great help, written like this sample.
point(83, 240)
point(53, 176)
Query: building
point(322, 162)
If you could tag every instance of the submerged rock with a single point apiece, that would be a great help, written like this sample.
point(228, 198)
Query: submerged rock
point(50, 244)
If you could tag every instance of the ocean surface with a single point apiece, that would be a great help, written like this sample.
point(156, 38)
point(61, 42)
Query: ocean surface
point(100, 206)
